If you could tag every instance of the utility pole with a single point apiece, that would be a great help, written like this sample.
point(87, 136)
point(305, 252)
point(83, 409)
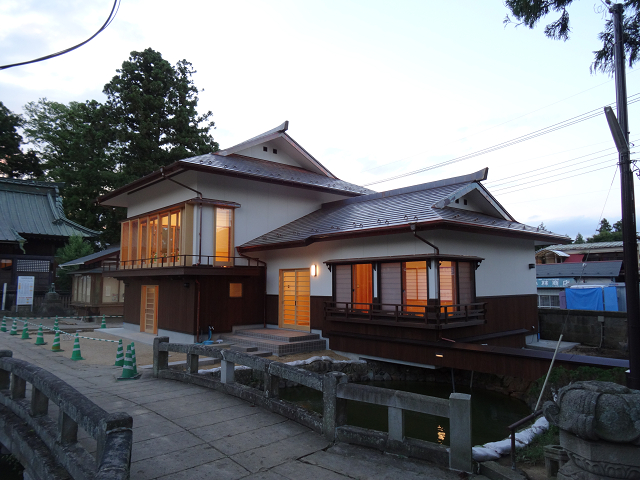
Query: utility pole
point(630, 244)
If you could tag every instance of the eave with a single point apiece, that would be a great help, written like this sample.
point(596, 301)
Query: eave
point(405, 228)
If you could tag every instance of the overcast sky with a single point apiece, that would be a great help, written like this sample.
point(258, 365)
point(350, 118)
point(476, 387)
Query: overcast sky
point(372, 89)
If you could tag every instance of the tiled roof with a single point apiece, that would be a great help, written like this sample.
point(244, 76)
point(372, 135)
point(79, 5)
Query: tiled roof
point(93, 257)
point(34, 208)
point(586, 269)
point(581, 247)
point(386, 211)
point(265, 169)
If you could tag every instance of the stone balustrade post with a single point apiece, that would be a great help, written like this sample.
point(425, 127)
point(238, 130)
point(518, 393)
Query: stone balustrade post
point(18, 387)
point(192, 363)
point(396, 424)
point(67, 429)
point(5, 376)
point(334, 408)
point(227, 371)
point(460, 432)
point(39, 402)
point(160, 359)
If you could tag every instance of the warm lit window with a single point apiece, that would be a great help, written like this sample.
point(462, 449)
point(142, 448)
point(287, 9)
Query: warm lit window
point(224, 234)
point(457, 283)
point(415, 285)
point(151, 240)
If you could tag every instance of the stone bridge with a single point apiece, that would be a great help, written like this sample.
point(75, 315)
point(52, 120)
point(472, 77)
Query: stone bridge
point(187, 431)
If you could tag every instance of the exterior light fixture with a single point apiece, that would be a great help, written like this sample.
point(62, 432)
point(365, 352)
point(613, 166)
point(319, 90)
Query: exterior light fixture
point(314, 270)
point(439, 355)
point(532, 266)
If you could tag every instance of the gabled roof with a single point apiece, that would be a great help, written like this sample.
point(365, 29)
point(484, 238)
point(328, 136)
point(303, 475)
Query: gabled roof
point(243, 167)
point(586, 269)
point(112, 251)
point(28, 207)
point(421, 207)
point(582, 247)
point(279, 137)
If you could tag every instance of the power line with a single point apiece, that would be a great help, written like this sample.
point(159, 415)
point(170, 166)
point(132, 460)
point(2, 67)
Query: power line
point(537, 133)
point(112, 15)
point(558, 180)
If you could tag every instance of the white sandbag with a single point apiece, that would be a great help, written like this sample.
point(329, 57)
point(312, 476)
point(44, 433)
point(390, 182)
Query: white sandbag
point(502, 447)
point(484, 454)
point(524, 437)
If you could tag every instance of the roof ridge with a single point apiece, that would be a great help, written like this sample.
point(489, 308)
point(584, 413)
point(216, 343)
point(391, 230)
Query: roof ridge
point(461, 179)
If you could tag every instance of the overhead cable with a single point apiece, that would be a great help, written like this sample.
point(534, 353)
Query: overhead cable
point(112, 15)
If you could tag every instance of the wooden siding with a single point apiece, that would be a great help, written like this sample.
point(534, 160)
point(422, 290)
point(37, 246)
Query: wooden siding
point(508, 317)
point(390, 286)
point(317, 311)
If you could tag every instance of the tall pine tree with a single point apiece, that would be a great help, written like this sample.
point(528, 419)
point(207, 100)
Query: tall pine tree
point(153, 105)
point(13, 162)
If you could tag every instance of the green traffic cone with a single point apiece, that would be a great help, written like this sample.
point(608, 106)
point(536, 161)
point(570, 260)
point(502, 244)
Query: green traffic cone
point(127, 371)
point(14, 328)
point(104, 323)
point(3, 328)
point(56, 343)
point(39, 337)
point(75, 355)
point(55, 324)
point(133, 359)
point(25, 332)
point(119, 355)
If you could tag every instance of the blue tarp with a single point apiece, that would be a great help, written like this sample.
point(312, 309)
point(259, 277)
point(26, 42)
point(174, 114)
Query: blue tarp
point(584, 298)
point(610, 299)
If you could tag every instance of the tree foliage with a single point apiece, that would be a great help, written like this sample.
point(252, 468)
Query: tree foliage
point(531, 12)
point(14, 163)
point(149, 120)
point(579, 239)
point(607, 233)
point(76, 247)
point(153, 105)
point(76, 142)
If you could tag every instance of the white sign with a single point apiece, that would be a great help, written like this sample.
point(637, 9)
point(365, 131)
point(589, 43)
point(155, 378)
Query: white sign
point(25, 290)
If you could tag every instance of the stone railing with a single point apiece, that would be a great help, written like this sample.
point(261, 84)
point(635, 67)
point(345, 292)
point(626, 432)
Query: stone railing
point(47, 446)
point(335, 392)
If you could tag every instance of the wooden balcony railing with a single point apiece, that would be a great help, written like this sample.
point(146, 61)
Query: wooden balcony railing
point(428, 315)
point(185, 261)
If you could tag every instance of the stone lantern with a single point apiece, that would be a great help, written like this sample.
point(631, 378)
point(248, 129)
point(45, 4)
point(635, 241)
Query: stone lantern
point(599, 430)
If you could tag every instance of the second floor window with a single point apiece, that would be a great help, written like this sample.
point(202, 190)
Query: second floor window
point(152, 239)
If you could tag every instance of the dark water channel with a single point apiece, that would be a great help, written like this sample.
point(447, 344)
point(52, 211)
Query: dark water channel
point(491, 412)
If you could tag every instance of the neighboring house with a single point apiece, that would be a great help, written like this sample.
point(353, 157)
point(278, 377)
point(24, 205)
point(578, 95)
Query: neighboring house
point(91, 293)
point(563, 266)
point(32, 227)
point(379, 274)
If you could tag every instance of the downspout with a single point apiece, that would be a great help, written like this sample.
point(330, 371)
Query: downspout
point(264, 315)
point(415, 234)
point(197, 339)
point(200, 197)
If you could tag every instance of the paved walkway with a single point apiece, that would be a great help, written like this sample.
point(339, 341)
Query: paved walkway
point(187, 432)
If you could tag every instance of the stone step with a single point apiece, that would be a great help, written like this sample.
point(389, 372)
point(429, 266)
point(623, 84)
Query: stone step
point(277, 334)
point(278, 348)
point(243, 348)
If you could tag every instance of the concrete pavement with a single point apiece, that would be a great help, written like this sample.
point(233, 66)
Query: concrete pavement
point(185, 431)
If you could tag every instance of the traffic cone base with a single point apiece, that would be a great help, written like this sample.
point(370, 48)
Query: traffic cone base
point(25, 332)
point(39, 337)
point(76, 355)
point(127, 371)
point(119, 356)
point(56, 344)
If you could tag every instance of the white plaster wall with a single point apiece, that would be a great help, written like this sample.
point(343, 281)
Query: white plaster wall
point(280, 157)
point(162, 194)
point(264, 206)
point(505, 270)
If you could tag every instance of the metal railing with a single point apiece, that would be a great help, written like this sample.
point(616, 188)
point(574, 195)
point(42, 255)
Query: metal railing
point(512, 429)
point(185, 261)
point(112, 431)
point(335, 392)
point(427, 314)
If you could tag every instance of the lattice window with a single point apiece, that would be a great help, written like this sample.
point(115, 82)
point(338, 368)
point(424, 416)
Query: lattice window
point(41, 266)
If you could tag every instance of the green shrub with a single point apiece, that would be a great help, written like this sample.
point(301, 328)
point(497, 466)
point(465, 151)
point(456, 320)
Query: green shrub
point(533, 454)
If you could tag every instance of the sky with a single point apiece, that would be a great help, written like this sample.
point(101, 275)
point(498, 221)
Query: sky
point(371, 89)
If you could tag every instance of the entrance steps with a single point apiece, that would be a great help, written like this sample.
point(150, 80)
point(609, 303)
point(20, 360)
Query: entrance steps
point(274, 341)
